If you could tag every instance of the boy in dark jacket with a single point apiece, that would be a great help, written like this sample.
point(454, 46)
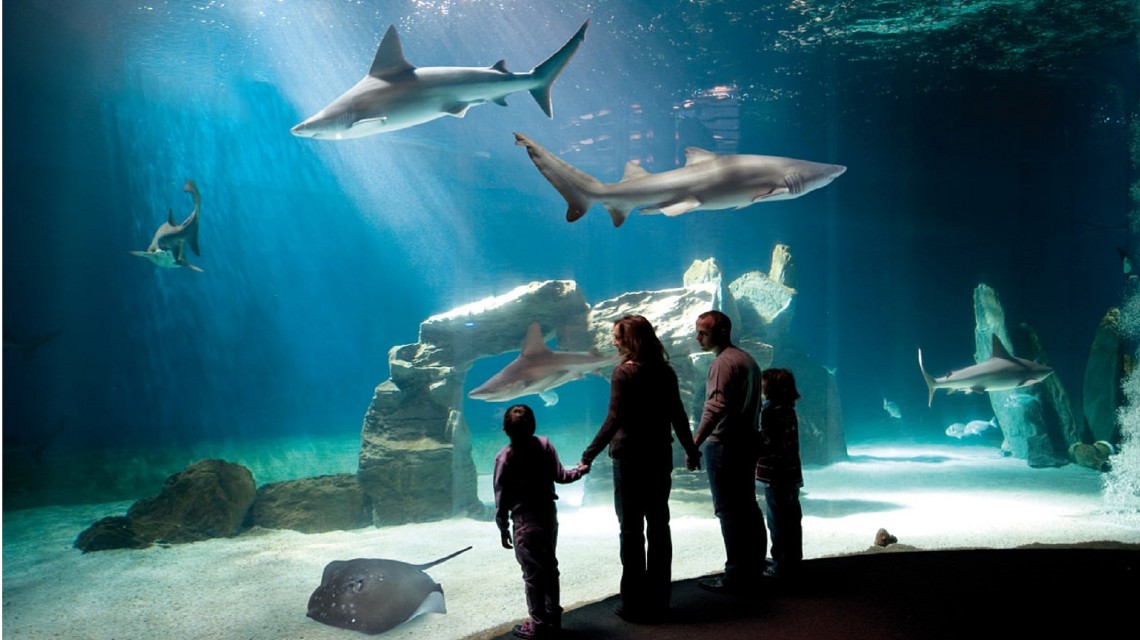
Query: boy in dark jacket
point(778, 467)
point(525, 473)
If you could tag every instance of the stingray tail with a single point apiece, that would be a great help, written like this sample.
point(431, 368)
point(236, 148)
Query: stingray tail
point(421, 567)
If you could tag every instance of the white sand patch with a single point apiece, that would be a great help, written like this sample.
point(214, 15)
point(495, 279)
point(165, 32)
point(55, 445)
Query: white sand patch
point(258, 585)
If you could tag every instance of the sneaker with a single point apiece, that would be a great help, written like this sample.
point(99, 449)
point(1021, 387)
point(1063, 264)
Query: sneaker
point(720, 585)
point(530, 631)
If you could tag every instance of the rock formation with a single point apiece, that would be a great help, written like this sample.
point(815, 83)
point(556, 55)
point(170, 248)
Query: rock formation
point(1038, 431)
point(208, 499)
point(1103, 375)
point(415, 456)
point(312, 505)
point(415, 459)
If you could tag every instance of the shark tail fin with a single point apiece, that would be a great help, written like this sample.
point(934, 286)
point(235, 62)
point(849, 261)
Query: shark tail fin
point(547, 72)
point(576, 187)
point(929, 380)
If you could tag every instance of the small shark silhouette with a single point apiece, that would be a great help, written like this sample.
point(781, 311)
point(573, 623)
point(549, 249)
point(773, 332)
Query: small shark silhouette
point(1000, 372)
point(396, 95)
point(707, 181)
point(539, 370)
point(28, 345)
point(168, 247)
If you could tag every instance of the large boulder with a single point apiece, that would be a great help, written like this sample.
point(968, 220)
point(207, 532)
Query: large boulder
point(765, 302)
point(415, 457)
point(1103, 375)
point(1037, 421)
point(208, 499)
point(312, 505)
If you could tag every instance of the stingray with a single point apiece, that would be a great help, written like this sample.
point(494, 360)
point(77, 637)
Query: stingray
point(374, 595)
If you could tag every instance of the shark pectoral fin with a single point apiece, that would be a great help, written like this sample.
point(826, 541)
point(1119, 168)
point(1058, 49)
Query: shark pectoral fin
point(779, 191)
point(458, 109)
point(549, 397)
point(617, 214)
point(681, 206)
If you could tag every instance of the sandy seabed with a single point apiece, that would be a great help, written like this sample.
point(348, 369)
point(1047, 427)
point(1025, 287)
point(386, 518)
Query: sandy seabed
point(257, 585)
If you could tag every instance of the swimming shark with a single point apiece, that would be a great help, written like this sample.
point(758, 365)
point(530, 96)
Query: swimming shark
point(1000, 372)
point(707, 181)
point(168, 247)
point(539, 370)
point(396, 95)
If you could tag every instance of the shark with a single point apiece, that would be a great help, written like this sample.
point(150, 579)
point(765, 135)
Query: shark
point(538, 370)
point(1001, 372)
point(168, 247)
point(396, 94)
point(707, 181)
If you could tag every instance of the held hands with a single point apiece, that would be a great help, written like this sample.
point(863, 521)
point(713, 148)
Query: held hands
point(693, 460)
point(506, 539)
point(584, 468)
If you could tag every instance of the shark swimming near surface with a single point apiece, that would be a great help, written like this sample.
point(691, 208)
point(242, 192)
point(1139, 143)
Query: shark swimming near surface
point(539, 370)
point(1000, 372)
point(707, 181)
point(396, 95)
point(168, 247)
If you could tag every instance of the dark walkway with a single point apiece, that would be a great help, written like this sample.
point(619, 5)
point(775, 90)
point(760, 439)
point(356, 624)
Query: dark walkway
point(1046, 591)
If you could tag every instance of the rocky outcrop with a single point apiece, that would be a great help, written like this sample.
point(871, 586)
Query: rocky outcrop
point(208, 499)
point(312, 505)
point(1103, 375)
point(820, 413)
point(764, 302)
point(415, 457)
point(1037, 421)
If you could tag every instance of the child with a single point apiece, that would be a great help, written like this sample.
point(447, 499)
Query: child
point(525, 473)
point(778, 467)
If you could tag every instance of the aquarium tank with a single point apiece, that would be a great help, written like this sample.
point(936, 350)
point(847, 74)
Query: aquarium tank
point(312, 250)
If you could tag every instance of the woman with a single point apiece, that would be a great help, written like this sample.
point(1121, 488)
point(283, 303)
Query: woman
point(645, 404)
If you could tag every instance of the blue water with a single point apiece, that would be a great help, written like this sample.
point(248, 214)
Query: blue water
point(320, 256)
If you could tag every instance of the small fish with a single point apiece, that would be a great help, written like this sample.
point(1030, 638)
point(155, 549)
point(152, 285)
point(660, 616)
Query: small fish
point(972, 428)
point(892, 409)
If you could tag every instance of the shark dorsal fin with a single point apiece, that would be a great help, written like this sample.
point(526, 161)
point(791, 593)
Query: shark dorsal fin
point(633, 170)
point(501, 66)
point(170, 217)
point(998, 349)
point(389, 60)
point(533, 345)
point(694, 155)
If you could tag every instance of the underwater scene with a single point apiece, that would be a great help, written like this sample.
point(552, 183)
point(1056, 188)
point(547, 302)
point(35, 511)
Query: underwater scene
point(273, 271)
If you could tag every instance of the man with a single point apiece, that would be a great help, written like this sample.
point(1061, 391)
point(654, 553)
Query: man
point(728, 425)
